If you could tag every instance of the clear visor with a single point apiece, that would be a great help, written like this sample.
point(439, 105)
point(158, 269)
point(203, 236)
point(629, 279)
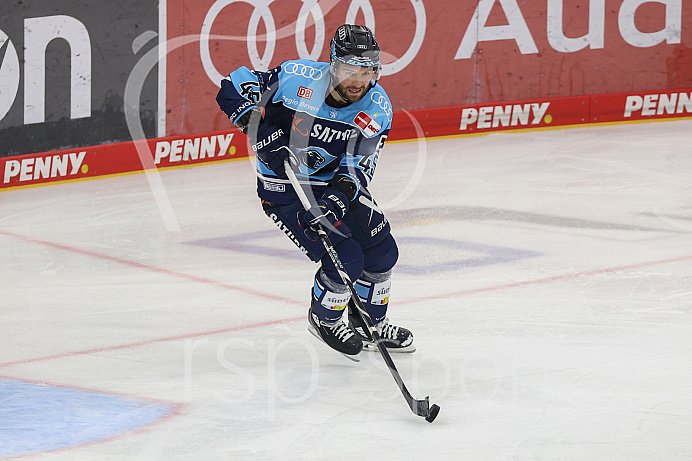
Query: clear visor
point(342, 71)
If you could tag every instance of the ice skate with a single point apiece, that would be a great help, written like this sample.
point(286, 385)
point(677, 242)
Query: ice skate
point(394, 338)
point(336, 335)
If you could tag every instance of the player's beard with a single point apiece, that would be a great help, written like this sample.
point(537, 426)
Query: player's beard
point(352, 93)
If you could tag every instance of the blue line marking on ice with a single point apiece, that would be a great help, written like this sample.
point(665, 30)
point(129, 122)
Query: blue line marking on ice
point(37, 418)
point(250, 243)
point(486, 255)
point(478, 254)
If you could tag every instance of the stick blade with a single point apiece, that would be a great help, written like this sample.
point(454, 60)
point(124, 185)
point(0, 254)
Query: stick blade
point(419, 407)
point(434, 410)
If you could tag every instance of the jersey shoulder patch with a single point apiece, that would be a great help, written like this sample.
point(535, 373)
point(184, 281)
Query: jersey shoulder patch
point(368, 125)
point(375, 113)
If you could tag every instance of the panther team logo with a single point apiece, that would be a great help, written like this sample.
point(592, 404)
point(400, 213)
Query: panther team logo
point(313, 159)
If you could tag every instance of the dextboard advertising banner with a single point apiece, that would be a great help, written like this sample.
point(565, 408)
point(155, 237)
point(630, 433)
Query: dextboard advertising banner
point(436, 52)
point(81, 85)
point(64, 68)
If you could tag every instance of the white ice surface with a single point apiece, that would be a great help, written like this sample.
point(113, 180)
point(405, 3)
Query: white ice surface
point(547, 277)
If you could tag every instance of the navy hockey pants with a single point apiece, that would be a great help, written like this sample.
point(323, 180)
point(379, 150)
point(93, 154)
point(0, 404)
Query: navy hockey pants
point(363, 240)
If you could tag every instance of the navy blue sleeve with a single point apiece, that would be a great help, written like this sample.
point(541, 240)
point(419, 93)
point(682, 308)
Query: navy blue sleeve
point(242, 90)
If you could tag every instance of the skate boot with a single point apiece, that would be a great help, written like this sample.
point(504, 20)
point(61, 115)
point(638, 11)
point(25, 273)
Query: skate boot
point(337, 335)
point(394, 338)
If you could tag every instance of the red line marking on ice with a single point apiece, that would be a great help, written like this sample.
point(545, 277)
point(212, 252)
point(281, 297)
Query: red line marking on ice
point(555, 278)
point(281, 321)
point(148, 342)
point(137, 265)
point(192, 278)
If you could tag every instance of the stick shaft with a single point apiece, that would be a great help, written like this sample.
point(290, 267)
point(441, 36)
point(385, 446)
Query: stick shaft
point(419, 407)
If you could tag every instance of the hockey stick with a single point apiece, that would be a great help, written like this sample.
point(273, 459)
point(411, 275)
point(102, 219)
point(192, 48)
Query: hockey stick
point(419, 407)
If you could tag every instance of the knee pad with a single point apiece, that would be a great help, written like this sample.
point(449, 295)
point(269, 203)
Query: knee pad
point(329, 299)
point(373, 290)
point(381, 257)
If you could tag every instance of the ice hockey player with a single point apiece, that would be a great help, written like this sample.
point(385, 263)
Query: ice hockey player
point(331, 119)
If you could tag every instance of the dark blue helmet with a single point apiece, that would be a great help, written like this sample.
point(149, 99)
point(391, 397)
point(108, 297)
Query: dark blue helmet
point(356, 46)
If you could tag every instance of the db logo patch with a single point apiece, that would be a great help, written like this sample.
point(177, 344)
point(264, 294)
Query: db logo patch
point(367, 125)
point(305, 93)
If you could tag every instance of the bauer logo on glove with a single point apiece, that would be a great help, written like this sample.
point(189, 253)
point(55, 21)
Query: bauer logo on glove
point(268, 140)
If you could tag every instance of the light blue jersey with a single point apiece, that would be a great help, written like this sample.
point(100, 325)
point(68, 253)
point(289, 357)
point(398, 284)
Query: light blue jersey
point(328, 140)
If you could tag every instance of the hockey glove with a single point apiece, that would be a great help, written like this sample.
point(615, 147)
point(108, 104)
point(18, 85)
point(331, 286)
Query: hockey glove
point(327, 212)
point(270, 145)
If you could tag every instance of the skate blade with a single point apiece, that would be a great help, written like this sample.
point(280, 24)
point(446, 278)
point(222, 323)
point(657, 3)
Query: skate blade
point(372, 347)
point(353, 358)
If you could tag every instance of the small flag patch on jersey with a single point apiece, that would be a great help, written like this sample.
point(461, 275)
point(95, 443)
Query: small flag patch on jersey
point(305, 93)
point(368, 126)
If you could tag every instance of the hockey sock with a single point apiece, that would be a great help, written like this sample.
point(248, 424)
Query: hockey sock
point(329, 299)
point(373, 290)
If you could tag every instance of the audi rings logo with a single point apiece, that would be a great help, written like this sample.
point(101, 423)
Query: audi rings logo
point(303, 70)
point(379, 99)
point(9, 74)
point(310, 9)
